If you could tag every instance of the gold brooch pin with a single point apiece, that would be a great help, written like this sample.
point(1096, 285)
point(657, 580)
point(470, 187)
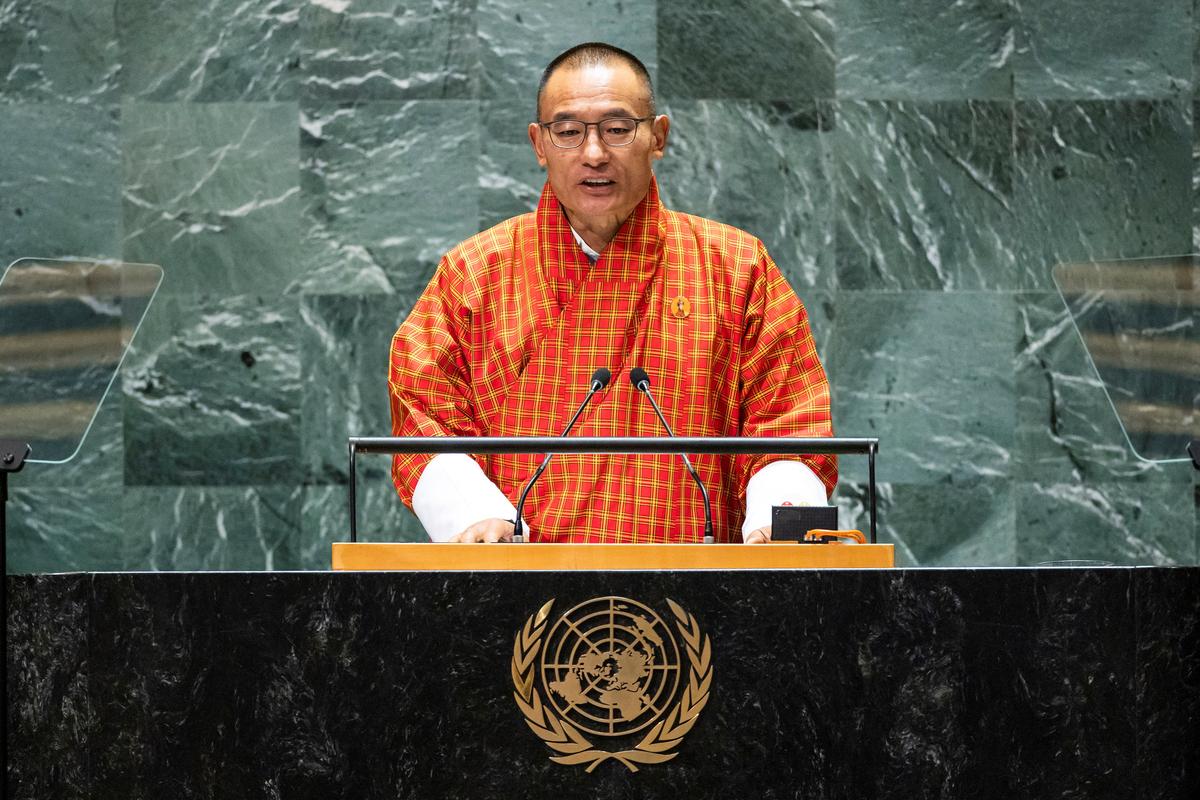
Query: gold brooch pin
point(681, 307)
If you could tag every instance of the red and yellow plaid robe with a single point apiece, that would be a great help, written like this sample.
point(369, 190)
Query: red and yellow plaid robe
point(505, 339)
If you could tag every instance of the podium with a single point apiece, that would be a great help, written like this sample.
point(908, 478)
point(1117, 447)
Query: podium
point(573, 557)
point(881, 683)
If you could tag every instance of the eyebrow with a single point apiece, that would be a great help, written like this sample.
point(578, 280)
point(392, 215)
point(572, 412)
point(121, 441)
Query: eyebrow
point(615, 111)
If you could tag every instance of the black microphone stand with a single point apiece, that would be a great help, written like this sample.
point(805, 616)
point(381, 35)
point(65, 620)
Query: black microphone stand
point(12, 458)
point(13, 453)
point(641, 382)
point(600, 379)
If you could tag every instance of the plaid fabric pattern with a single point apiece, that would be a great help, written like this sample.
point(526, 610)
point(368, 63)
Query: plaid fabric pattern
point(505, 338)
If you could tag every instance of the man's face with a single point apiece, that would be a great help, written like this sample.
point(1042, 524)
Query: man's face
point(599, 185)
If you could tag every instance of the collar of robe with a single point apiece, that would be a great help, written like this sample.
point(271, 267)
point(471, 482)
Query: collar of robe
point(632, 255)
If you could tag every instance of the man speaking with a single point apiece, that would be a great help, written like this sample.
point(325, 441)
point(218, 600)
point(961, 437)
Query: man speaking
point(506, 337)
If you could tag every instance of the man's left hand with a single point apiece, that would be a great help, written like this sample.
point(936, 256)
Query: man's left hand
point(759, 536)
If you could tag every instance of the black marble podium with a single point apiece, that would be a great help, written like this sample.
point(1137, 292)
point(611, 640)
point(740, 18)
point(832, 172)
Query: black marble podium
point(1014, 683)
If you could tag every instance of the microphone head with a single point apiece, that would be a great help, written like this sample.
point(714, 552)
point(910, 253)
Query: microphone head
point(601, 376)
point(638, 376)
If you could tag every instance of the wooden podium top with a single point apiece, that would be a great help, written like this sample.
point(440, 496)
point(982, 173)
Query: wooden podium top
point(565, 557)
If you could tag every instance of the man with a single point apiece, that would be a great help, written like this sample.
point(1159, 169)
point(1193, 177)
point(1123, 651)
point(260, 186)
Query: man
point(516, 319)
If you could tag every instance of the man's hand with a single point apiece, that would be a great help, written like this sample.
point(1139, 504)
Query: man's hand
point(759, 536)
point(486, 530)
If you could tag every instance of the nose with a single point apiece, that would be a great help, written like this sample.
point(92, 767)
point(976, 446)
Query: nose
point(595, 152)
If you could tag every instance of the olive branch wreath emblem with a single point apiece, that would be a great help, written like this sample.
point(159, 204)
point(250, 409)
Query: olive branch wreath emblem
point(560, 735)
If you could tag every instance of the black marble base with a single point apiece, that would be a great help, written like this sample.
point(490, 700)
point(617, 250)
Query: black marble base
point(1015, 683)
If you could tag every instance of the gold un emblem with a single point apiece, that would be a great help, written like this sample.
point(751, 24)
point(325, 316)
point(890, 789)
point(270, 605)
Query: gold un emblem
point(610, 668)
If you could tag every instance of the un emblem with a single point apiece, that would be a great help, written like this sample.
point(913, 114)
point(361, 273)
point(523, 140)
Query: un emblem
point(611, 667)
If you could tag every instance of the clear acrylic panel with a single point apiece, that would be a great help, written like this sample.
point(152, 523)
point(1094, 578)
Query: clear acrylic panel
point(64, 329)
point(1138, 321)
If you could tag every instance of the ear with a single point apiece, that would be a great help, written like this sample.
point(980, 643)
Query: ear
point(537, 142)
point(659, 128)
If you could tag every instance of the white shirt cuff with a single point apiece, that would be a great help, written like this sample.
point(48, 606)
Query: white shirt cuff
point(775, 484)
point(453, 493)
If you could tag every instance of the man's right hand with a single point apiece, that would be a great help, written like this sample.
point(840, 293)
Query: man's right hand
point(486, 530)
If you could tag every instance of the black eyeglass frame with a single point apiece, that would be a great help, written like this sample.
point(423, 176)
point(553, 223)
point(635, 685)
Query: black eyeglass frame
point(636, 120)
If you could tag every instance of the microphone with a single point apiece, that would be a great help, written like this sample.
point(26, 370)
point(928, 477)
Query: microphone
point(641, 382)
point(600, 379)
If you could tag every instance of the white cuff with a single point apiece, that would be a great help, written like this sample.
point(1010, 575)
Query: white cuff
point(453, 493)
point(775, 484)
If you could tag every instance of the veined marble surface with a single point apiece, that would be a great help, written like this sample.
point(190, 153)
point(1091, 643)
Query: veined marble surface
point(298, 167)
point(388, 187)
point(824, 683)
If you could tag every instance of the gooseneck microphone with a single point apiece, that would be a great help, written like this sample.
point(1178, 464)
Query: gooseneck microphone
point(600, 379)
point(641, 382)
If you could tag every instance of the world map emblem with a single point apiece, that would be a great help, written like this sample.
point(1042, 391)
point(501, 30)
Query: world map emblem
point(610, 678)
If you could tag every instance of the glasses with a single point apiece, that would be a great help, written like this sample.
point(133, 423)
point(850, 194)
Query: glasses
point(614, 131)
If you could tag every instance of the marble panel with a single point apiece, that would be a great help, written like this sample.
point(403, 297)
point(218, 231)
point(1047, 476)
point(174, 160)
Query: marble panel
point(288, 667)
point(212, 50)
point(100, 461)
point(1167, 604)
point(1133, 522)
point(212, 393)
point(1195, 48)
point(58, 50)
point(908, 684)
point(850, 683)
point(346, 342)
point(1056, 671)
point(212, 528)
point(325, 519)
point(389, 49)
point(822, 316)
point(48, 711)
point(938, 195)
point(211, 192)
point(1057, 644)
point(1195, 174)
point(926, 196)
point(930, 374)
point(924, 50)
point(59, 181)
point(183, 661)
point(387, 188)
point(62, 529)
point(518, 39)
point(749, 49)
point(1102, 49)
point(966, 523)
point(764, 168)
point(1067, 429)
point(1100, 180)
point(510, 179)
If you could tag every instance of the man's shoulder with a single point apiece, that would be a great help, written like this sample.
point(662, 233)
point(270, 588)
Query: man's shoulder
point(495, 244)
point(714, 238)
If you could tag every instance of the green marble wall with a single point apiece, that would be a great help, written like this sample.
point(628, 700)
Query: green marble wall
point(298, 167)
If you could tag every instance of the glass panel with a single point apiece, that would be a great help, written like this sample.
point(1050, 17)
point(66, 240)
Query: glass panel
point(64, 328)
point(1138, 320)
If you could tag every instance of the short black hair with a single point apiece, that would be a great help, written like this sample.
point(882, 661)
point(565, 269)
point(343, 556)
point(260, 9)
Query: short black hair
point(588, 54)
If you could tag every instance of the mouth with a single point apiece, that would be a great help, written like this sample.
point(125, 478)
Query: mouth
point(597, 183)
